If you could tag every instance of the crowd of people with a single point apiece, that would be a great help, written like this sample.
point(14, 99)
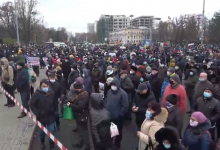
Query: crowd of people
point(153, 84)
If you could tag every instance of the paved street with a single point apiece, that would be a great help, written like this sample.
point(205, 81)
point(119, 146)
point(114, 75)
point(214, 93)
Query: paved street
point(15, 134)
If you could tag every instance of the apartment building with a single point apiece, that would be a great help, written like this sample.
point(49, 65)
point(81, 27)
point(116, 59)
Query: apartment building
point(90, 27)
point(143, 21)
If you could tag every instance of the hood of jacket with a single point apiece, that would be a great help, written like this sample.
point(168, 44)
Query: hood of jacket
point(162, 117)
point(86, 73)
point(116, 82)
point(96, 100)
point(5, 62)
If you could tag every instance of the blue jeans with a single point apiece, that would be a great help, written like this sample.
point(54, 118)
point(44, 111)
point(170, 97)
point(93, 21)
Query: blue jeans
point(50, 128)
point(25, 96)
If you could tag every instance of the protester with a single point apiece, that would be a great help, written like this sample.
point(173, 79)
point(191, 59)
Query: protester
point(197, 136)
point(44, 111)
point(23, 86)
point(99, 123)
point(155, 119)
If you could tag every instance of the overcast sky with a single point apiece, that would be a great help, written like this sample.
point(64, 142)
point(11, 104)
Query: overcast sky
point(75, 14)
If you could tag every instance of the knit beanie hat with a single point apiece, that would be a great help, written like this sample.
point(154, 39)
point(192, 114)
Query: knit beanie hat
point(171, 70)
point(176, 78)
point(199, 116)
point(77, 85)
point(172, 99)
point(155, 106)
point(21, 63)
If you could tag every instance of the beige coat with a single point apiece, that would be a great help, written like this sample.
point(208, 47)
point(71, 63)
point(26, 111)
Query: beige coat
point(150, 127)
point(7, 73)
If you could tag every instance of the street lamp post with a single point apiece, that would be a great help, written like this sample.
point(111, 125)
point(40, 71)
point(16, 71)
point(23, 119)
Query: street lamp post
point(203, 21)
point(131, 16)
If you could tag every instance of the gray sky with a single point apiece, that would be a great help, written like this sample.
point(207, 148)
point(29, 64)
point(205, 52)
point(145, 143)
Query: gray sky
point(75, 14)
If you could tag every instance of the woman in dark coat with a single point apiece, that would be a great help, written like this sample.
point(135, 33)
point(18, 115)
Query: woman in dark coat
point(168, 139)
point(197, 136)
point(87, 80)
point(99, 123)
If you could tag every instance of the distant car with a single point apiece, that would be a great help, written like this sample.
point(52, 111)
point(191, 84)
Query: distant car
point(56, 44)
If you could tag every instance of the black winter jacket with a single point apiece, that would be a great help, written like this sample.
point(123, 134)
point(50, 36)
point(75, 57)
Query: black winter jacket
point(99, 123)
point(22, 80)
point(43, 106)
point(72, 77)
point(141, 101)
point(80, 106)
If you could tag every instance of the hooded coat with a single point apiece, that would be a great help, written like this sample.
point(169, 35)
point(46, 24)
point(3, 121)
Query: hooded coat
point(170, 134)
point(7, 73)
point(198, 138)
point(141, 101)
point(191, 82)
point(116, 102)
point(99, 123)
point(126, 65)
point(87, 81)
point(149, 128)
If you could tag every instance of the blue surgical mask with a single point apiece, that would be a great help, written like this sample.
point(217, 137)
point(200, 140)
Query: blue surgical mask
point(201, 79)
point(45, 89)
point(207, 95)
point(148, 115)
point(144, 62)
point(191, 73)
point(167, 146)
point(168, 104)
point(141, 80)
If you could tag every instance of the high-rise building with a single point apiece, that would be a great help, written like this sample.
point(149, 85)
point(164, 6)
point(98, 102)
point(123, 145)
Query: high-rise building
point(112, 23)
point(95, 26)
point(143, 21)
point(90, 28)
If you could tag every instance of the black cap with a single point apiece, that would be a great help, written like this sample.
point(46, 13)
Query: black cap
point(52, 74)
point(141, 87)
point(21, 63)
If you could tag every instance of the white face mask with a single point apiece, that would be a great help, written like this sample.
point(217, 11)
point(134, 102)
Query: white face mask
point(114, 88)
point(193, 123)
point(131, 72)
point(83, 75)
point(72, 69)
point(52, 80)
point(168, 73)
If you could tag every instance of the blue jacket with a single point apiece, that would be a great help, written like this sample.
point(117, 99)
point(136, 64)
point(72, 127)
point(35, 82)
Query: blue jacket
point(198, 138)
point(165, 83)
point(116, 102)
point(87, 81)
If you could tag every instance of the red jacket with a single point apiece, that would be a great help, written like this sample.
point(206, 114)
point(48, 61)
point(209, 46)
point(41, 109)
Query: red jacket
point(54, 61)
point(180, 92)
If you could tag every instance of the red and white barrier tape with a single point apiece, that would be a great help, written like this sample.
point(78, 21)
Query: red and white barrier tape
point(60, 145)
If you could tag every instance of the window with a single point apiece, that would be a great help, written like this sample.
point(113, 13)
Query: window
point(115, 20)
point(120, 19)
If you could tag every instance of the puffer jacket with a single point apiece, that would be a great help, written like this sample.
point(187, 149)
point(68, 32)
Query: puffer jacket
point(43, 105)
point(149, 128)
point(116, 102)
point(172, 63)
point(99, 124)
point(198, 138)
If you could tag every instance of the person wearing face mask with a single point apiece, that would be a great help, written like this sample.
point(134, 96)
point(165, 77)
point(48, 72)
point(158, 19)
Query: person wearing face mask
point(168, 139)
point(190, 85)
point(155, 82)
point(197, 136)
point(201, 86)
point(176, 88)
point(79, 101)
point(72, 76)
point(43, 105)
point(154, 121)
point(56, 88)
point(170, 72)
point(175, 117)
point(178, 72)
point(96, 77)
point(210, 107)
point(162, 71)
point(23, 86)
point(116, 102)
point(140, 103)
point(87, 81)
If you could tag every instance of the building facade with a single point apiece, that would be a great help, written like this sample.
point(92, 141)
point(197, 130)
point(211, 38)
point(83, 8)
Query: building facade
point(90, 28)
point(129, 36)
point(143, 21)
point(113, 23)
